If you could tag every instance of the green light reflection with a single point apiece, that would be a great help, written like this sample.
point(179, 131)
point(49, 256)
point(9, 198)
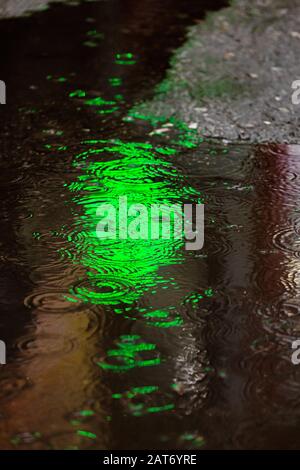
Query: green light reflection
point(120, 271)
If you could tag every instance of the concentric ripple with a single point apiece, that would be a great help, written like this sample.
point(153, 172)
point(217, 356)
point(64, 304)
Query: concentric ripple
point(120, 270)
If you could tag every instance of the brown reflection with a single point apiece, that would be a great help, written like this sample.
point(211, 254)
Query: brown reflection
point(56, 362)
point(271, 382)
point(55, 355)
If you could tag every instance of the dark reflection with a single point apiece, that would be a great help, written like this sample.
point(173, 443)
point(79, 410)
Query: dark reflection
point(253, 257)
point(53, 394)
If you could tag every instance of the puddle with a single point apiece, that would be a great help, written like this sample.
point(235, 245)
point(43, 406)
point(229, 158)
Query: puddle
point(137, 344)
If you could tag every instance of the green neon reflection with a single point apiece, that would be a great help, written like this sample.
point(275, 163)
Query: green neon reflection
point(134, 391)
point(120, 271)
point(115, 81)
point(128, 355)
point(87, 434)
point(126, 58)
point(139, 409)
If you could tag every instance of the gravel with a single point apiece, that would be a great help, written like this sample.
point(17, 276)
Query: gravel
point(11, 8)
point(232, 78)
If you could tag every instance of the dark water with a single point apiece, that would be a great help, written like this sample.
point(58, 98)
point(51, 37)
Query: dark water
point(134, 344)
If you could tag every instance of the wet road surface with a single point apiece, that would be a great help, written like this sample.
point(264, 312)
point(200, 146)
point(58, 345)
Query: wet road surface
point(137, 344)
